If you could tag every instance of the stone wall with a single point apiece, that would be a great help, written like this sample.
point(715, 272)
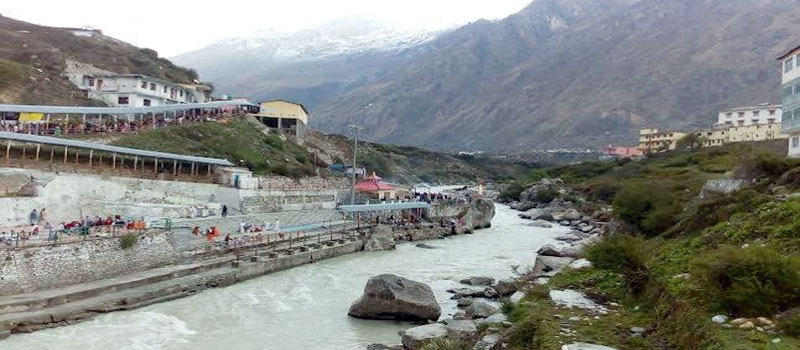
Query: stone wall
point(33, 268)
point(307, 183)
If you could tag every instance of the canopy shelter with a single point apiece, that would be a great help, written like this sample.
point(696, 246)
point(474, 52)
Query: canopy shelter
point(75, 154)
point(358, 208)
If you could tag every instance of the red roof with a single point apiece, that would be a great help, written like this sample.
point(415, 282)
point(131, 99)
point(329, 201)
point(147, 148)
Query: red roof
point(373, 183)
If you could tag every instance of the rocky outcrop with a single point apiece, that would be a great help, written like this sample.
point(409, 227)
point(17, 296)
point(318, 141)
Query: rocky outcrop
point(505, 288)
point(413, 338)
point(460, 329)
point(393, 297)
point(381, 238)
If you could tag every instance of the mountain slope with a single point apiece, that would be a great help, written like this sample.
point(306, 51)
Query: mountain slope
point(576, 73)
point(32, 59)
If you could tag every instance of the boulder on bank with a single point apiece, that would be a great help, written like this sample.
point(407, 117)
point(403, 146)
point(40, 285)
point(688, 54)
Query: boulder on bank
point(393, 297)
point(549, 250)
point(506, 287)
point(413, 338)
point(478, 281)
point(381, 238)
point(480, 309)
point(569, 214)
point(460, 329)
point(549, 266)
point(540, 223)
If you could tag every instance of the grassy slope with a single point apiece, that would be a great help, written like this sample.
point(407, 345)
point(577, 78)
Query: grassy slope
point(703, 238)
point(236, 141)
point(410, 165)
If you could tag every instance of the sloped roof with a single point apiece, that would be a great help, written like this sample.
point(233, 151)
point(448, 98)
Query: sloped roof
point(46, 140)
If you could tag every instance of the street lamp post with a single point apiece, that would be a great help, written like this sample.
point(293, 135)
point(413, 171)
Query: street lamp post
point(354, 129)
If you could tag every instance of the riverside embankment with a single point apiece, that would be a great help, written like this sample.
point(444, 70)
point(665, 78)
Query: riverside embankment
point(305, 307)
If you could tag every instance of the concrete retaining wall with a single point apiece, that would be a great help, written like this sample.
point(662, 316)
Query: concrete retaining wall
point(68, 196)
point(41, 267)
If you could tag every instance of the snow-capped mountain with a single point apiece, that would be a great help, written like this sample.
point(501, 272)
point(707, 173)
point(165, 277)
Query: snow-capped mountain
point(262, 52)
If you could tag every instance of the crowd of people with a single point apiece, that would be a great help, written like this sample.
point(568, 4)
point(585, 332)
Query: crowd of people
point(41, 229)
point(108, 124)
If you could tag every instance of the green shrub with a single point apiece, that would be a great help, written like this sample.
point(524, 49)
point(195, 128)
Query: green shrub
point(711, 211)
point(546, 195)
point(789, 322)
point(747, 282)
point(762, 165)
point(602, 189)
point(623, 254)
point(444, 344)
point(128, 241)
point(648, 206)
point(512, 191)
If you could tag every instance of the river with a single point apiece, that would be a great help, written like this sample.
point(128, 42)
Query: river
point(304, 307)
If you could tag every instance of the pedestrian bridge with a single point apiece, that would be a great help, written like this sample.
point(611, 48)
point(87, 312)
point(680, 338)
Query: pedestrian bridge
point(357, 208)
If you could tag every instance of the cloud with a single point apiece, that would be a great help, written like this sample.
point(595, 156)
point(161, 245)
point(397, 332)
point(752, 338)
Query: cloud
point(173, 27)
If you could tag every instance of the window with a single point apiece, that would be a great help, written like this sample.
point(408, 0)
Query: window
point(771, 112)
point(741, 114)
point(788, 65)
point(99, 83)
point(795, 142)
point(755, 113)
point(153, 86)
point(144, 85)
point(729, 115)
point(90, 82)
point(122, 100)
point(181, 93)
point(146, 102)
point(165, 89)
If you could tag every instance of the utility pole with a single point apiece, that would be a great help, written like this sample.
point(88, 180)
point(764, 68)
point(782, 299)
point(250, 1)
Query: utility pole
point(354, 129)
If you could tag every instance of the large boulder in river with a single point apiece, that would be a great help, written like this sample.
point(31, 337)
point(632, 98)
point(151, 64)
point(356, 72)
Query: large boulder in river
point(478, 215)
point(381, 238)
point(393, 297)
point(414, 338)
point(478, 281)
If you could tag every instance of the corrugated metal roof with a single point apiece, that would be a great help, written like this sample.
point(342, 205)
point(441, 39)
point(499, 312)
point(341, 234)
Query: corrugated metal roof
point(383, 206)
point(111, 149)
point(118, 110)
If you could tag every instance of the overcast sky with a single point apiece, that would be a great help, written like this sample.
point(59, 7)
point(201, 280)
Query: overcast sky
point(176, 26)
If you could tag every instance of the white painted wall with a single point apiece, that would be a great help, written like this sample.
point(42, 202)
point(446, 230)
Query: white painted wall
point(749, 116)
point(794, 146)
point(794, 73)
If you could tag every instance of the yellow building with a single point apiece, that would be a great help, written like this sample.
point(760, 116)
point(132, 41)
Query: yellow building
point(651, 140)
point(284, 116)
point(748, 133)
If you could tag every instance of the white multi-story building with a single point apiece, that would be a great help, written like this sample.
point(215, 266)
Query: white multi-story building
point(790, 87)
point(745, 116)
point(133, 90)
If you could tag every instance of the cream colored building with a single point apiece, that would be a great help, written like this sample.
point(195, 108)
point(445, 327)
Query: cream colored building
point(749, 133)
point(286, 117)
point(652, 140)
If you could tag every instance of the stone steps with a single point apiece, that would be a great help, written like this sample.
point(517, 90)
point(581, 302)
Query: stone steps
point(62, 306)
point(54, 297)
point(118, 300)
